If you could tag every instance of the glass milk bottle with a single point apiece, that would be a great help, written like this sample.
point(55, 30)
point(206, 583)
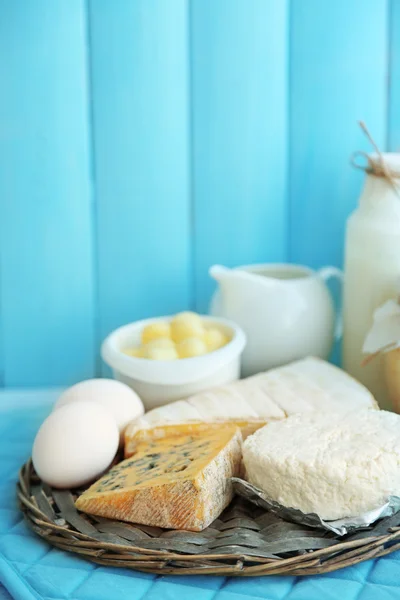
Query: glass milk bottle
point(372, 267)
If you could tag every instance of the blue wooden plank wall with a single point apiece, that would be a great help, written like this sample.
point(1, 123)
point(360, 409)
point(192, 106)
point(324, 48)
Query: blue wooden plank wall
point(140, 100)
point(239, 106)
point(143, 140)
point(46, 245)
point(394, 78)
point(338, 75)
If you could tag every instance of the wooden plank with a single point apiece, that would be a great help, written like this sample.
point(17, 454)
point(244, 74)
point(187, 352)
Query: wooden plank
point(45, 196)
point(394, 77)
point(338, 73)
point(141, 131)
point(239, 71)
point(1, 326)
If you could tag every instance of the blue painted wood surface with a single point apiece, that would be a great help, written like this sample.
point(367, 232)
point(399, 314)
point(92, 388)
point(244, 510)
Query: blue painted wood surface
point(140, 87)
point(47, 303)
point(394, 77)
point(338, 75)
point(239, 76)
point(143, 140)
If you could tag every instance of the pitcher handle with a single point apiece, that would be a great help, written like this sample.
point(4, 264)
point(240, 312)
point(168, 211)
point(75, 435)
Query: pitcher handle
point(327, 273)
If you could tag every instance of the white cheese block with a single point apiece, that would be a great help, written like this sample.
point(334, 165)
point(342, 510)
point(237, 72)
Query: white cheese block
point(334, 464)
point(229, 403)
point(257, 400)
point(300, 387)
point(281, 388)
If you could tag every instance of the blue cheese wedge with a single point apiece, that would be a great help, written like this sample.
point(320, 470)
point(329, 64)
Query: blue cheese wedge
point(180, 481)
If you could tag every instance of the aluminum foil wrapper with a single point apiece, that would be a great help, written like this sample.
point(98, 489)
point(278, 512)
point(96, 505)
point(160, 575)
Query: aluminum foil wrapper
point(339, 527)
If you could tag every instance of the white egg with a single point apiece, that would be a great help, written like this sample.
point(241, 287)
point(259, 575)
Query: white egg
point(117, 397)
point(75, 445)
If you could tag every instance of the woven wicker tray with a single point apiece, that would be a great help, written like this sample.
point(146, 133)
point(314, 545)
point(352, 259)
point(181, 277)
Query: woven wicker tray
point(246, 540)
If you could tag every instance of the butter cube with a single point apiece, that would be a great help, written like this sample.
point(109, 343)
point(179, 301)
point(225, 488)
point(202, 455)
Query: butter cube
point(135, 352)
point(215, 338)
point(191, 347)
point(162, 342)
point(186, 325)
point(161, 353)
point(158, 329)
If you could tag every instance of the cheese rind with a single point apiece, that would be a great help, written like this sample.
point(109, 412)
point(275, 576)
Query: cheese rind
point(178, 481)
point(166, 431)
point(303, 386)
point(336, 465)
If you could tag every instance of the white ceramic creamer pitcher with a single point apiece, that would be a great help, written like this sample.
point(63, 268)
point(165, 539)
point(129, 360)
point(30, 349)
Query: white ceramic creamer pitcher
point(286, 311)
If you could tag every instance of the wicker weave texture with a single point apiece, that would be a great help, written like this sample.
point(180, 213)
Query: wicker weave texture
point(246, 540)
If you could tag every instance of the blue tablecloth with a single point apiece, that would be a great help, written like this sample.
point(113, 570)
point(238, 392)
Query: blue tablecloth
point(4, 595)
point(32, 570)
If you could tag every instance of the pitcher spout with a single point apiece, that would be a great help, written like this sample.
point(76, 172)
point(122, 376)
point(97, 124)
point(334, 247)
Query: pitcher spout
point(219, 273)
point(224, 275)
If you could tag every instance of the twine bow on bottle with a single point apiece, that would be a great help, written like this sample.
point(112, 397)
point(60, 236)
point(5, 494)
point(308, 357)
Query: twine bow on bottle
point(376, 166)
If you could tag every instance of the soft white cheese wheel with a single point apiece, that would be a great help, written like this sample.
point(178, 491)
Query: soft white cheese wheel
point(118, 398)
point(334, 464)
point(75, 444)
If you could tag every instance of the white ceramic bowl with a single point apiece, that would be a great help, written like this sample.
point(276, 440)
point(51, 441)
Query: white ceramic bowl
point(159, 382)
